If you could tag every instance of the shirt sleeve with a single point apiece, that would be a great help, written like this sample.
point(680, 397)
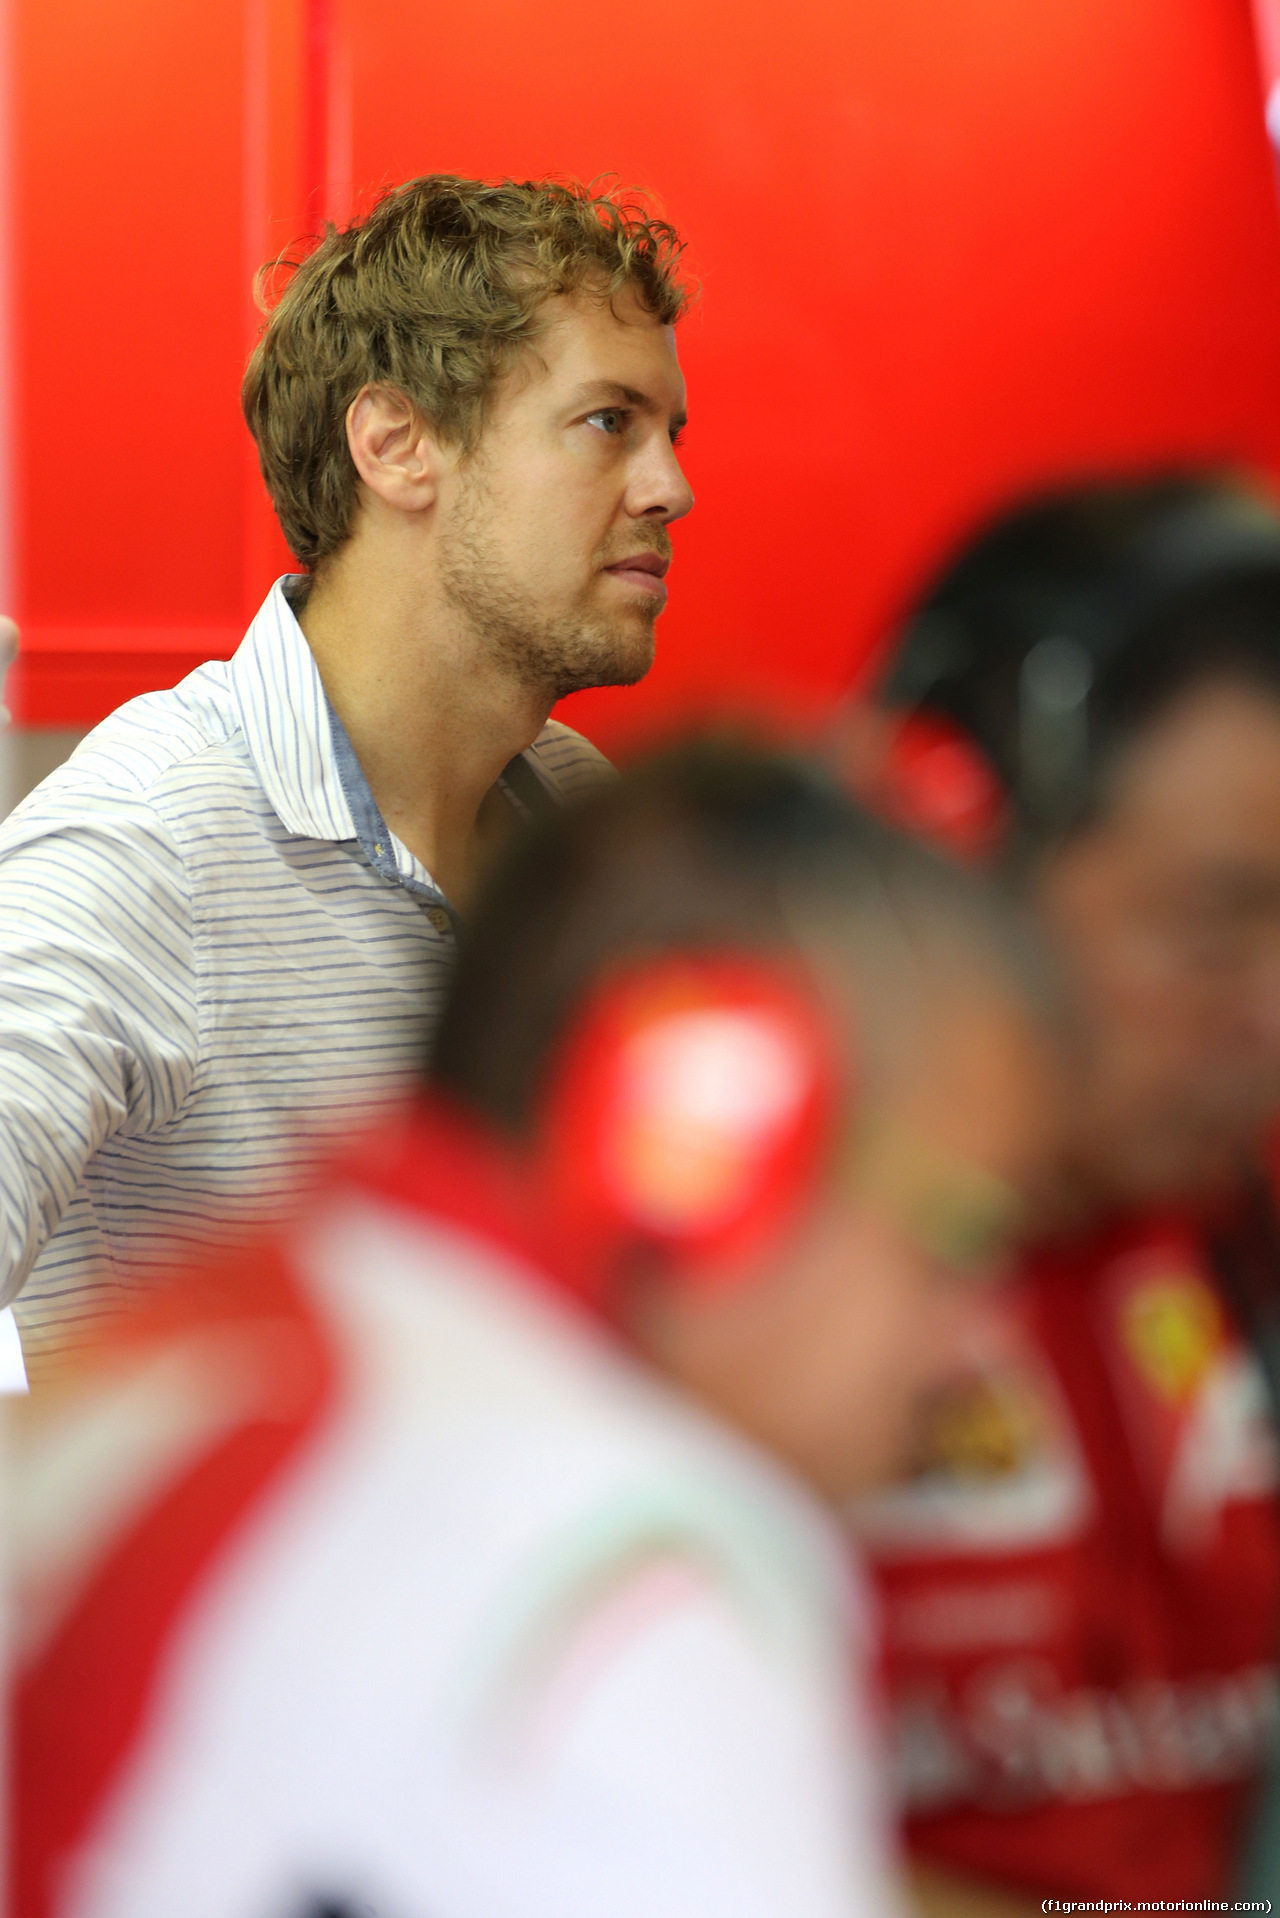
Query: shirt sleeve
point(683, 1765)
point(98, 1023)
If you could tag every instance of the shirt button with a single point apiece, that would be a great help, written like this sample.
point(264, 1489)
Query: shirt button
point(439, 919)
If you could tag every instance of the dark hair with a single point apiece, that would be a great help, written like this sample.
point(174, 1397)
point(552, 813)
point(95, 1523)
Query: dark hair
point(703, 847)
point(1067, 627)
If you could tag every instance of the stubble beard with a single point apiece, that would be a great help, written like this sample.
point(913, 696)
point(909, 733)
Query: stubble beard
point(551, 655)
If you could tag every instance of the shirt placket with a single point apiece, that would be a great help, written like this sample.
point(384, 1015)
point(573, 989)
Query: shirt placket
point(374, 835)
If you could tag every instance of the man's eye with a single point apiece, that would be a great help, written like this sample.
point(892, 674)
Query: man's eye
point(609, 419)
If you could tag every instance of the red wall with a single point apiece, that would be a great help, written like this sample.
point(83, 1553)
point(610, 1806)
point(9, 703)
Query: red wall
point(945, 252)
point(153, 144)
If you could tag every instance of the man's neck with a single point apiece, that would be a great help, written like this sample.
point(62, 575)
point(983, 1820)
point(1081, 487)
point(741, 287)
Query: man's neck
point(431, 718)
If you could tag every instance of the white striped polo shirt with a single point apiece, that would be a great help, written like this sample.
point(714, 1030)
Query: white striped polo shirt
point(214, 959)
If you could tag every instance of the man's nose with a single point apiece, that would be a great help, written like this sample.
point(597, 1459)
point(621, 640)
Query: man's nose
point(659, 489)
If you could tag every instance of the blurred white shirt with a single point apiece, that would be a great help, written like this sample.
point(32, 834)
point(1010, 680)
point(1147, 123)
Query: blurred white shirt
point(13, 1372)
point(522, 1636)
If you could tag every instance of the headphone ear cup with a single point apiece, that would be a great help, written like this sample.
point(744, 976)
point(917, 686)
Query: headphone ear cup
point(691, 1108)
point(934, 781)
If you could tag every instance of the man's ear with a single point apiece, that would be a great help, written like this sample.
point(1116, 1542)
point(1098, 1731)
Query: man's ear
point(396, 453)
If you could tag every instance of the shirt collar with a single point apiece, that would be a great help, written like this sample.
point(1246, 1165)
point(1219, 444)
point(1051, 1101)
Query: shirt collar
point(307, 765)
point(299, 746)
point(285, 718)
point(387, 855)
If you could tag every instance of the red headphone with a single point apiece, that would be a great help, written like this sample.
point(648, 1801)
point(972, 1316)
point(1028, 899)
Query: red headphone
point(691, 1107)
point(935, 782)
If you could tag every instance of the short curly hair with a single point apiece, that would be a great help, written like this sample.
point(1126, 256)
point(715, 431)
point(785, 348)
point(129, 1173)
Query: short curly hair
point(434, 293)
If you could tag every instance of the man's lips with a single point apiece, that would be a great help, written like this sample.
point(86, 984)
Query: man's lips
point(645, 570)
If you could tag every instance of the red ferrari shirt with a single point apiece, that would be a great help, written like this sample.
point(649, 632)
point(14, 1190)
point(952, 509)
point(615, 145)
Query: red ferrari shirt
point(1081, 1586)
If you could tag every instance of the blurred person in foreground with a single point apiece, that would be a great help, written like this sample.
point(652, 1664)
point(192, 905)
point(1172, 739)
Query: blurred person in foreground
point(1082, 1580)
point(229, 920)
point(454, 1556)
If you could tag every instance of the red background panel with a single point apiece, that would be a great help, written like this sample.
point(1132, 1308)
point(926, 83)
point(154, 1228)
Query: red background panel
point(153, 145)
point(945, 252)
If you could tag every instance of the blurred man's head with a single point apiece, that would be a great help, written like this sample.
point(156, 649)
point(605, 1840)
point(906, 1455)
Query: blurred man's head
point(471, 399)
point(825, 1333)
point(1114, 655)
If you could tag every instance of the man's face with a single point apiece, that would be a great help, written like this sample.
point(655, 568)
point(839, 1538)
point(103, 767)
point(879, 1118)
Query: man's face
point(885, 1291)
point(552, 537)
point(1167, 914)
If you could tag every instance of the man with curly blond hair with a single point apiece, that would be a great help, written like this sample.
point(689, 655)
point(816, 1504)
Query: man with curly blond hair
point(228, 920)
